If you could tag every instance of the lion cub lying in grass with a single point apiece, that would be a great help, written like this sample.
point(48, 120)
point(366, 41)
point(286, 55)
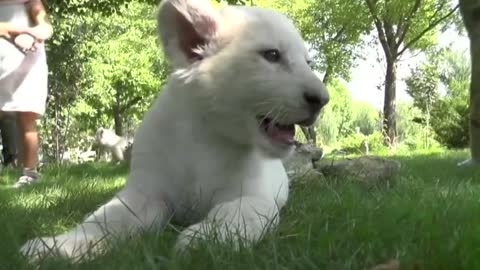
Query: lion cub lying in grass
point(208, 153)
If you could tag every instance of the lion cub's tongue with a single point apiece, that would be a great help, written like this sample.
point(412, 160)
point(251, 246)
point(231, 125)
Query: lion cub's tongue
point(282, 133)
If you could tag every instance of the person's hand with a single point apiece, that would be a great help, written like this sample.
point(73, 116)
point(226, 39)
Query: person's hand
point(41, 32)
point(11, 31)
point(25, 42)
point(30, 38)
point(18, 35)
point(26, 38)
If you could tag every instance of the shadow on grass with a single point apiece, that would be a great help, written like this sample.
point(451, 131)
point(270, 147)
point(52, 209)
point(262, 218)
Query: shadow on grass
point(89, 169)
point(438, 168)
point(324, 226)
point(61, 200)
point(57, 175)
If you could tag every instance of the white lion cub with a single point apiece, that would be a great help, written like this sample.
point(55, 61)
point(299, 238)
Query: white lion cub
point(208, 153)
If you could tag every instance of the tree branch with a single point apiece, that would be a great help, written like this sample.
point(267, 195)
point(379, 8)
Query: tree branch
point(130, 104)
point(327, 75)
point(426, 30)
point(389, 33)
point(339, 34)
point(379, 26)
point(403, 28)
point(306, 133)
point(437, 10)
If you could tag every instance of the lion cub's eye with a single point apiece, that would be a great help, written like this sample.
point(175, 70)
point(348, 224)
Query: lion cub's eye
point(271, 55)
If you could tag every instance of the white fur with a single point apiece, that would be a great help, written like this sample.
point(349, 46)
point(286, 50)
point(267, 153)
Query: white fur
point(112, 143)
point(199, 156)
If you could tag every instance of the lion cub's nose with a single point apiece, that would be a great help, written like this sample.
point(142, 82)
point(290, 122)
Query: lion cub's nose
point(316, 101)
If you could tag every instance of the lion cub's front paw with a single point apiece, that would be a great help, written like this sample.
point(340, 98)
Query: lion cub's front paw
point(213, 233)
point(188, 238)
point(73, 249)
point(37, 248)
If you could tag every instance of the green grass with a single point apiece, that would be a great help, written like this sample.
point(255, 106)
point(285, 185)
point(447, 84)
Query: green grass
point(430, 218)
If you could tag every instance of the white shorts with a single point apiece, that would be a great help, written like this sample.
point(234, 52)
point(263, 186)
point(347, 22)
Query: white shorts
point(23, 77)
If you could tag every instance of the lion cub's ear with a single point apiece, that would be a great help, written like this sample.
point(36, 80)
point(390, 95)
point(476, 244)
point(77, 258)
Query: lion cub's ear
point(184, 26)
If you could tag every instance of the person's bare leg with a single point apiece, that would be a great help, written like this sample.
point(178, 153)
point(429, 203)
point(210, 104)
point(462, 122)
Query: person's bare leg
point(27, 130)
point(29, 137)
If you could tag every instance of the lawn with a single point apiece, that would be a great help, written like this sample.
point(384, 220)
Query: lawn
point(430, 219)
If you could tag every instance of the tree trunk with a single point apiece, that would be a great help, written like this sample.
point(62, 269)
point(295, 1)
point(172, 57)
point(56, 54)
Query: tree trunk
point(389, 117)
point(470, 10)
point(427, 131)
point(328, 75)
point(57, 136)
point(117, 114)
point(475, 101)
point(117, 117)
point(309, 132)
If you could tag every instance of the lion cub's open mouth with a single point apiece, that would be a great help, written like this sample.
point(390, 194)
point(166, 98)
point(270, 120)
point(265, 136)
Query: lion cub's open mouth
point(276, 132)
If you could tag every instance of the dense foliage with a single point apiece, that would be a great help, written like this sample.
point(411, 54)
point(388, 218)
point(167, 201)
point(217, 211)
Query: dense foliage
point(401, 26)
point(106, 67)
point(105, 71)
point(447, 110)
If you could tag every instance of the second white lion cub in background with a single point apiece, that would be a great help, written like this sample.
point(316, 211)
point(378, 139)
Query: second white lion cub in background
point(208, 153)
point(110, 143)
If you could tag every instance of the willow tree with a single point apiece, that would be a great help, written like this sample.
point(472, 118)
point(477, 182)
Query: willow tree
point(404, 25)
point(333, 29)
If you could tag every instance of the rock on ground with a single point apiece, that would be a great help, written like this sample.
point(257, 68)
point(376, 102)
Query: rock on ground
point(367, 169)
point(300, 162)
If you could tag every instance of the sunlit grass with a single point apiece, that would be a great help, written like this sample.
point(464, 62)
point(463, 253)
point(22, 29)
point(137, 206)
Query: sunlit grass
point(429, 218)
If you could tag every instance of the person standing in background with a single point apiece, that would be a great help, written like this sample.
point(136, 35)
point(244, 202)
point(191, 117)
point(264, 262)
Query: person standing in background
point(24, 27)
